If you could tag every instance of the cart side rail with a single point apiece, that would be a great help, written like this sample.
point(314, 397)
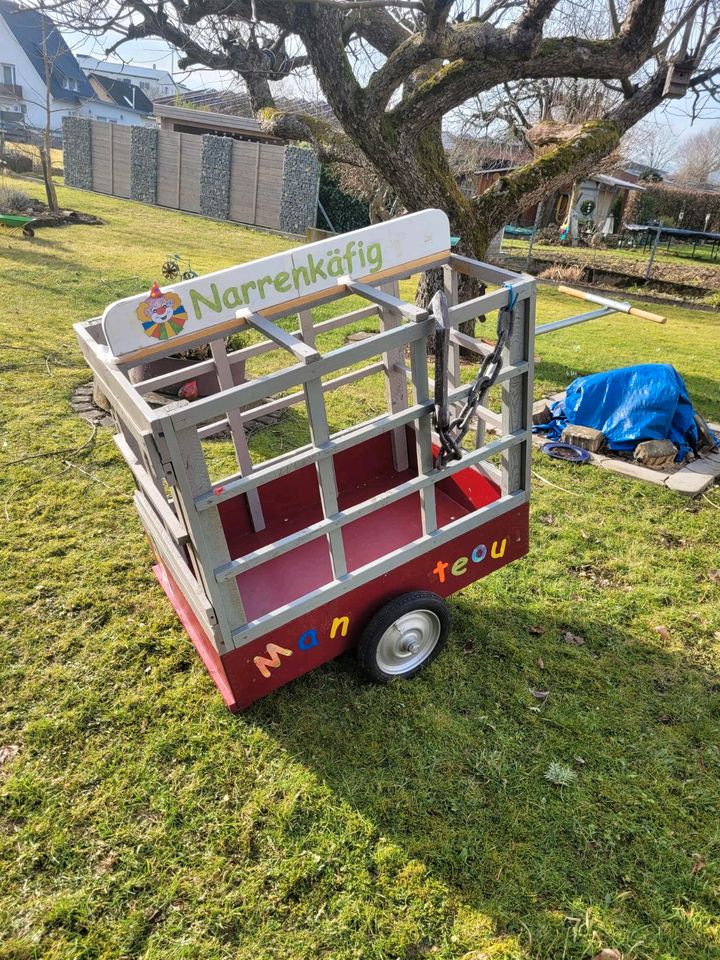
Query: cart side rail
point(247, 632)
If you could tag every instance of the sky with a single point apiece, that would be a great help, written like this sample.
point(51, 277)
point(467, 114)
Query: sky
point(675, 114)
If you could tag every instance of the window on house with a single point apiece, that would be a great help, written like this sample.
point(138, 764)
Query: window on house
point(144, 85)
point(69, 83)
point(7, 73)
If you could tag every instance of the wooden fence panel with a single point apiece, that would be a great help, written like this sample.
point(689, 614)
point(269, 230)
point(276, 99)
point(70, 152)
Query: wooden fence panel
point(120, 158)
point(102, 173)
point(256, 172)
point(190, 170)
point(256, 183)
point(168, 170)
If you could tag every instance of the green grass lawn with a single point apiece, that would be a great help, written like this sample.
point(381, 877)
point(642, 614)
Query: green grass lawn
point(336, 819)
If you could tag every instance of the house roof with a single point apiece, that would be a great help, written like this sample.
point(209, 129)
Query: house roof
point(236, 103)
point(92, 64)
point(35, 32)
point(615, 182)
point(123, 93)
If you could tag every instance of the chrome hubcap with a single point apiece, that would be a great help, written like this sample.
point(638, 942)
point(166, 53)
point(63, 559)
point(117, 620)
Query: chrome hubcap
point(408, 642)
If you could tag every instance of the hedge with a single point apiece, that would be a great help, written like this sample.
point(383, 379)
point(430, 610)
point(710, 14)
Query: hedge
point(664, 203)
point(345, 211)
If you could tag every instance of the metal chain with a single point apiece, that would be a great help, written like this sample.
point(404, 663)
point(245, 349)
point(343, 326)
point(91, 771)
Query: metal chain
point(451, 433)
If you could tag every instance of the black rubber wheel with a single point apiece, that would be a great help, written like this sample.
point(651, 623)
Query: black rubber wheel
point(170, 270)
point(404, 636)
point(189, 275)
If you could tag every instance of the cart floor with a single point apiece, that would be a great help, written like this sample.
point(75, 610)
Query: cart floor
point(306, 568)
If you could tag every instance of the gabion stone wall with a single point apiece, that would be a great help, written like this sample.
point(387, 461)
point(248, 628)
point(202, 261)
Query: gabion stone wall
point(301, 183)
point(143, 164)
point(215, 176)
point(77, 152)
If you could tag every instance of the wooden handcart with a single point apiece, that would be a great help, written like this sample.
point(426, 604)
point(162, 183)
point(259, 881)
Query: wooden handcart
point(355, 539)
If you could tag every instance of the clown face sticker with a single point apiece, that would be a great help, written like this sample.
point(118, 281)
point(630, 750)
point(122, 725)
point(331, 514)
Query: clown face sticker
point(162, 315)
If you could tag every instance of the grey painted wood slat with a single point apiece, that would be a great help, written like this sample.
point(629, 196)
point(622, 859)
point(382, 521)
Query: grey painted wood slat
point(516, 410)
point(202, 411)
point(461, 339)
point(287, 401)
point(245, 633)
point(423, 434)
point(343, 517)
point(485, 272)
point(303, 351)
point(478, 307)
point(208, 543)
point(245, 353)
point(237, 429)
point(179, 570)
point(384, 299)
point(327, 482)
point(156, 500)
point(395, 384)
point(230, 486)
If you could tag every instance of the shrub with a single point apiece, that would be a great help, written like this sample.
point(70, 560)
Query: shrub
point(14, 201)
point(665, 203)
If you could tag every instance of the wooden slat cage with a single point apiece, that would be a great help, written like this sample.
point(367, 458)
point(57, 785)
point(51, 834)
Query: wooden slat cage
point(185, 511)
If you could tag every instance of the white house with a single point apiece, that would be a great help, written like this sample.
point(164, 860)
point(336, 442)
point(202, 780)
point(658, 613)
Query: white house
point(31, 47)
point(153, 82)
point(33, 51)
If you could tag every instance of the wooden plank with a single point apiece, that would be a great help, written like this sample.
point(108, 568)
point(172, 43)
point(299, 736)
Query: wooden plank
point(395, 384)
point(169, 554)
point(235, 422)
point(231, 486)
point(423, 434)
point(255, 188)
point(301, 350)
point(320, 434)
point(209, 408)
point(281, 403)
point(385, 300)
point(156, 500)
point(485, 272)
point(207, 537)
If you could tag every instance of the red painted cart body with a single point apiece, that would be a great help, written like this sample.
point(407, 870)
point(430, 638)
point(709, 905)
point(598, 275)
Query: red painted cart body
point(272, 660)
point(280, 566)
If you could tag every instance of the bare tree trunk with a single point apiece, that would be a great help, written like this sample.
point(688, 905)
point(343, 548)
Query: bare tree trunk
point(46, 145)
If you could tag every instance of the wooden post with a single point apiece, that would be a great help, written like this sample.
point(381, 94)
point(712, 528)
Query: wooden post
point(450, 285)
point(423, 435)
point(307, 327)
point(395, 382)
point(208, 546)
point(517, 398)
point(234, 418)
point(112, 160)
point(179, 168)
point(257, 178)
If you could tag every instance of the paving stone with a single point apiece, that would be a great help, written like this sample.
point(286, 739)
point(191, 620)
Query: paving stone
point(705, 466)
point(689, 482)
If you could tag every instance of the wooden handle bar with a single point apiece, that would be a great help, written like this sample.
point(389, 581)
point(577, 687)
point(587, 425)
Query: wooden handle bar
point(619, 305)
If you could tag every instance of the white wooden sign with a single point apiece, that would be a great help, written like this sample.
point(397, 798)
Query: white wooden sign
point(160, 322)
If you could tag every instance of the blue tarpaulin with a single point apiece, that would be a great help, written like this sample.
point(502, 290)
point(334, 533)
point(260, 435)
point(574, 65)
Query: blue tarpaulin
point(646, 402)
